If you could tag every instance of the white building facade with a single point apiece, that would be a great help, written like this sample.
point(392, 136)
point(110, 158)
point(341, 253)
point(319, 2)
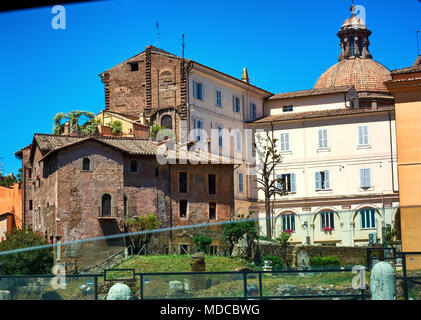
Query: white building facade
point(339, 167)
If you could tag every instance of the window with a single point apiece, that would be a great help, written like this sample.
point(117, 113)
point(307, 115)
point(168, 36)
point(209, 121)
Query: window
point(156, 172)
point(287, 182)
point(289, 108)
point(288, 222)
point(198, 90)
point(30, 205)
point(352, 46)
point(198, 127)
point(363, 135)
point(183, 208)
point(253, 111)
point(125, 206)
point(322, 180)
point(220, 136)
point(236, 104)
point(365, 178)
point(182, 182)
point(360, 45)
point(86, 164)
point(106, 205)
point(184, 249)
point(238, 141)
point(133, 166)
point(368, 219)
point(166, 121)
point(327, 219)
point(212, 183)
point(323, 144)
point(284, 141)
point(134, 67)
point(30, 173)
point(240, 182)
point(218, 98)
point(212, 210)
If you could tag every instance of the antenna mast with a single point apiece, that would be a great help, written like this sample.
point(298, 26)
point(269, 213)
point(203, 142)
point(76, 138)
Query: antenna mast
point(418, 45)
point(158, 35)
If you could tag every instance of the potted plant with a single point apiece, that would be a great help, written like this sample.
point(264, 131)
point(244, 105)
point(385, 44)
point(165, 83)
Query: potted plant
point(327, 229)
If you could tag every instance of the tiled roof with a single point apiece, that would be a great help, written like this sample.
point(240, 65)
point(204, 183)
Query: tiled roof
point(416, 67)
point(310, 92)
point(363, 74)
point(51, 143)
point(320, 114)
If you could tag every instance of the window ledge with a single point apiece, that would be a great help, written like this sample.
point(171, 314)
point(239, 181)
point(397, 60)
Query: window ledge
point(323, 149)
point(366, 189)
point(285, 152)
point(107, 218)
point(368, 229)
point(364, 147)
point(324, 190)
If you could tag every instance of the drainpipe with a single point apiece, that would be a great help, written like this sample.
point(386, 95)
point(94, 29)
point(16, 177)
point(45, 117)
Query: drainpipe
point(391, 150)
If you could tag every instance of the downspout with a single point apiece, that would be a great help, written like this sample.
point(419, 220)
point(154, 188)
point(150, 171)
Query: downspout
point(391, 150)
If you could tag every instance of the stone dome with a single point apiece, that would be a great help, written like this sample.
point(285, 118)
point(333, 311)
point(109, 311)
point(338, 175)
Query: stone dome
point(366, 75)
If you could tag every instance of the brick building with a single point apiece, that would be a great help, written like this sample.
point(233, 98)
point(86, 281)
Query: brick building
point(160, 88)
point(84, 187)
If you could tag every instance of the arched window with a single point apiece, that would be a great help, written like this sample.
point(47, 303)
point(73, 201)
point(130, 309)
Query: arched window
point(133, 166)
point(288, 222)
point(125, 206)
point(327, 219)
point(352, 46)
point(368, 218)
point(86, 164)
point(106, 205)
point(166, 122)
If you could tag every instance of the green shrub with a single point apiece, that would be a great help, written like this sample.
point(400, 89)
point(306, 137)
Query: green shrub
point(276, 262)
point(325, 261)
point(202, 242)
point(38, 261)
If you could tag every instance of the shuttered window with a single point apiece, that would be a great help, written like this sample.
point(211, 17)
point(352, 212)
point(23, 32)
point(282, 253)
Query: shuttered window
point(365, 178)
point(363, 135)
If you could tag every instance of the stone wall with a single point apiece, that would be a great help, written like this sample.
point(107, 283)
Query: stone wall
point(349, 256)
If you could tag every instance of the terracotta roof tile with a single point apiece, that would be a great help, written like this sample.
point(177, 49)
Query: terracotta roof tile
point(320, 114)
point(310, 92)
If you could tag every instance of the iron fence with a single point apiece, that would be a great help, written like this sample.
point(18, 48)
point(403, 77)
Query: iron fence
point(240, 285)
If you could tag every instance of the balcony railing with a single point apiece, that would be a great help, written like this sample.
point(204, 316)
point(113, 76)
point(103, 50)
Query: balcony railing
point(107, 213)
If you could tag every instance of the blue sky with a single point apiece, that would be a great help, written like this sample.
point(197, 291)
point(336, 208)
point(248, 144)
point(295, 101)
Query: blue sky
point(286, 46)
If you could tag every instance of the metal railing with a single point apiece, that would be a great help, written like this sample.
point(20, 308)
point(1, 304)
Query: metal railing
point(240, 285)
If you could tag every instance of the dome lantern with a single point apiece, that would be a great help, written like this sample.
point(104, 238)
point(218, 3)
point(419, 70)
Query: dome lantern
point(354, 38)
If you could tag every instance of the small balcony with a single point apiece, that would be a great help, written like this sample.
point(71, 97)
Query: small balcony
point(107, 213)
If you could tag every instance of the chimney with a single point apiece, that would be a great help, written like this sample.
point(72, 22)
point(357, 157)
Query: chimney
point(245, 76)
point(66, 130)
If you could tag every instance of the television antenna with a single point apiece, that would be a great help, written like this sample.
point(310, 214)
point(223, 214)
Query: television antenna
point(418, 44)
point(158, 34)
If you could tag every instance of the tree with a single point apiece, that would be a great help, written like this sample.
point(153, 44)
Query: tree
point(37, 261)
point(10, 180)
point(234, 231)
point(282, 240)
point(74, 117)
point(138, 224)
point(202, 242)
point(116, 127)
point(155, 130)
point(269, 158)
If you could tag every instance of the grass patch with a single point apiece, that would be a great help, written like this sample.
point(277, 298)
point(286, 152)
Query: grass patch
point(177, 263)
